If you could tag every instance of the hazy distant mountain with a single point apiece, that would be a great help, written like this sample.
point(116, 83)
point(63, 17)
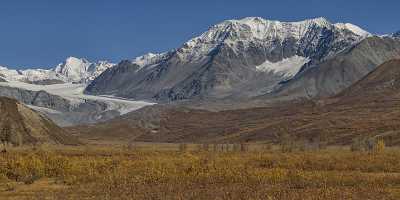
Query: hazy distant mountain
point(71, 70)
point(397, 34)
point(235, 59)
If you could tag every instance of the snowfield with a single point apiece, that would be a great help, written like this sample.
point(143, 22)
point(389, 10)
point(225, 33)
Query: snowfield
point(287, 67)
point(74, 93)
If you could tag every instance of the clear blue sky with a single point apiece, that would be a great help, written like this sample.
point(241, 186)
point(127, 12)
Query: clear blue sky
point(42, 33)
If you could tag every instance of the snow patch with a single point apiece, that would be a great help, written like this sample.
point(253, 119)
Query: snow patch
point(287, 67)
point(353, 28)
point(148, 59)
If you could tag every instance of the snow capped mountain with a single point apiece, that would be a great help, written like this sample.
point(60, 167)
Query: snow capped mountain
point(80, 69)
point(233, 58)
point(7, 73)
point(353, 28)
point(26, 75)
point(250, 30)
point(397, 34)
point(95, 69)
point(37, 75)
point(72, 70)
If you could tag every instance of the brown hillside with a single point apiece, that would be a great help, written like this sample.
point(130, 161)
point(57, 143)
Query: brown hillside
point(383, 81)
point(19, 125)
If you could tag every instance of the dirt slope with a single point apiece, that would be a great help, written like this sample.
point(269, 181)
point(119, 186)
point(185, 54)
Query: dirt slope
point(19, 125)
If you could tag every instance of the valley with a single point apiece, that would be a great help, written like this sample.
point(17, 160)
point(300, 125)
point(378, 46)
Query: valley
point(74, 93)
point(250, 108)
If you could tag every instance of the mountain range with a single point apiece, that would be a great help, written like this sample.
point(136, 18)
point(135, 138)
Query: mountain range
point(234, 59)
point(368, 108)
point(243, 80)
point(71, 70)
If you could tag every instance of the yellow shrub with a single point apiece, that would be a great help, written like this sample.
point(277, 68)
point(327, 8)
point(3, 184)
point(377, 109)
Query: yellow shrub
point(209, 175)
point(379, 146)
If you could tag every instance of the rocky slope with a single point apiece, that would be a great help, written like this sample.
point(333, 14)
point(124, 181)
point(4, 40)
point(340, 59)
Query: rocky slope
point(62, 111)
point(382, 83)
point(19, 125)
point(235, 59)
point(333, 75)
point(36, 98)
point(369, 107)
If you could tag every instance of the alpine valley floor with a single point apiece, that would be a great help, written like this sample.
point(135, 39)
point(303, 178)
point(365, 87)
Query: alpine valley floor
point(112, 173)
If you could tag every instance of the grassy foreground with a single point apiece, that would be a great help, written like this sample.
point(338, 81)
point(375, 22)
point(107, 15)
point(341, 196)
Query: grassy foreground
point(123, 174)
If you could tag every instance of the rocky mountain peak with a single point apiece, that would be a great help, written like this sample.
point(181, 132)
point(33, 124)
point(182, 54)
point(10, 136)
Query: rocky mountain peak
point(80, 69)
point(73, 68)
point(251, 31)
point(250, 54)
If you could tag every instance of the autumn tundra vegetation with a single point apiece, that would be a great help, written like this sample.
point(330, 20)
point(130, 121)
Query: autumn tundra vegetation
point(206, 171)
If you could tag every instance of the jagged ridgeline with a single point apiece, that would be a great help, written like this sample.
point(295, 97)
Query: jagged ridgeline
point(234, 59)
